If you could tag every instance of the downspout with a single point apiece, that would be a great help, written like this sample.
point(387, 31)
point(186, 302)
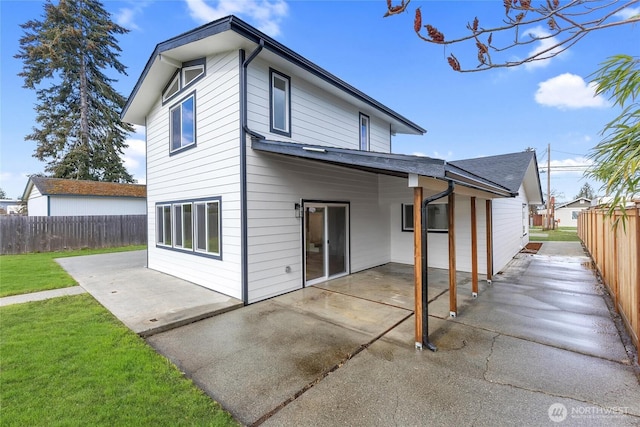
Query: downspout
point(425, 283)
point(244, 129)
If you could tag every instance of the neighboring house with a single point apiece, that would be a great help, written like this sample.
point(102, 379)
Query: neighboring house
point(566, 214)
point(9, 206)
point(70, 197)
point(266, 173)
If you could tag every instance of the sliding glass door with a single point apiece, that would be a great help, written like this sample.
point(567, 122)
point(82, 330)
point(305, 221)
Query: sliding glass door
point(326, 241)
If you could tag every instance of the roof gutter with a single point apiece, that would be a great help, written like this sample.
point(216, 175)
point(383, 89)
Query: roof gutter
point(425, 277)
point(244, 130)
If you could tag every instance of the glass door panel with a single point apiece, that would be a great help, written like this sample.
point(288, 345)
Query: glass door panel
point(337, 244)
point(315, 242)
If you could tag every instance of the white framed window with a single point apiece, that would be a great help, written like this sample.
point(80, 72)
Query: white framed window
point(172, 88)
point(183, 124)
point(163, 225)
point(438, 221)
point(191, 74)
point(208, 227)
point(364, 132)
point(183, 225)
point(280, 103)
point(190, 226)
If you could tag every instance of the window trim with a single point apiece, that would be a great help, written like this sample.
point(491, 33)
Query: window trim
point(190, 65)
point(172, 229)
point(178, 104)
point(360, 117)
point(287, 131)
point(174, 77)
point(206, 250)
point(409, 228)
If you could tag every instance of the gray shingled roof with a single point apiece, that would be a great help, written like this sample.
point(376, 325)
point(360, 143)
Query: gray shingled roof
point(400, 165)
point(507, 170)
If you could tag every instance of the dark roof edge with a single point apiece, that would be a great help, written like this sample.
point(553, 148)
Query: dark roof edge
point(234, 23)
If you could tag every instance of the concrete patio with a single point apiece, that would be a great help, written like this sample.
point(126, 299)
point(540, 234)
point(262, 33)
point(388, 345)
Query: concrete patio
point(537, 347)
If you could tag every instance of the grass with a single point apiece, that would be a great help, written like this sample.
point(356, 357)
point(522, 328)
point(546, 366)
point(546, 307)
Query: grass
point(561, 234)
point(68, 361)
point(26, 273)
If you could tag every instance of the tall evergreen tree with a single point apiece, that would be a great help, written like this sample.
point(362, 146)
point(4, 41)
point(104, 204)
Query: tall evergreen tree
point(78, 130)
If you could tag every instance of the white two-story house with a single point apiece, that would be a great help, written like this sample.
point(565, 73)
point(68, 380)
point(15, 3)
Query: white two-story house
point(267, 173)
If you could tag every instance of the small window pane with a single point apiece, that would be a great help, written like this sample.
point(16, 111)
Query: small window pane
point(172, 89)
point(438, 217)
point(212, 228)
point(167, 224)
point(178, 225)
point(192, 73)
point(364, 132)
point(188, 227)
point(280, 103)
point(175, 129)
point(201, 228)
point(159, 225)
point(407, 217)
point(188, 129)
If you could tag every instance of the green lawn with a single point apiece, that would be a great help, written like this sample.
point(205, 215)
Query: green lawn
point(22, 274)
point(561, 234)
point(68, 361)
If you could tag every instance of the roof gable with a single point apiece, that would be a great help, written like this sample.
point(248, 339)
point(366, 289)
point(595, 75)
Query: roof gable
point(74, 187)
point(577, 203)
point(508, 170)
point(226, 34)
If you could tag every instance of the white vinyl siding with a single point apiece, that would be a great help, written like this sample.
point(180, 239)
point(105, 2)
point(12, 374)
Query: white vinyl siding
point(95, 205)
point(317, 116)
point(210, 169)
point(275, 184)
point(507, 229)
point(37, 204)
point(394, 192)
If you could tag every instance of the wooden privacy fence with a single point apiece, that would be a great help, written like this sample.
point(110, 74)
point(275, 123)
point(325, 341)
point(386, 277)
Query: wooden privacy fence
point(24, 234)
point(616, 253)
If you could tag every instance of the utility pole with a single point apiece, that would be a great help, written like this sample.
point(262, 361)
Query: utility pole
point(548, 187)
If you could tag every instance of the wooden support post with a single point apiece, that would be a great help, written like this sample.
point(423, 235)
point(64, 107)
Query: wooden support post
point(453, 297)
point(489, 242)
point(474, 250)
point(417, 262)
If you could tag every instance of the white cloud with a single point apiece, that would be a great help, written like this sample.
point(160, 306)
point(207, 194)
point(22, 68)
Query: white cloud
point(134, 158)
point(568, 91)
point(542, 45)
point(627, 13)
point(573, 166)
point(125, 17)
point(265, 14)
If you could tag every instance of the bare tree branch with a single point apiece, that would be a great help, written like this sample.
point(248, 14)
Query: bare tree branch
point(566, 24)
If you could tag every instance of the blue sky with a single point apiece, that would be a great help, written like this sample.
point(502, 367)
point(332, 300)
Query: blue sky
point(466, 115)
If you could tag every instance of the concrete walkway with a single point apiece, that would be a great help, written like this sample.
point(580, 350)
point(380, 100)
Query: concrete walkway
point(42, 295)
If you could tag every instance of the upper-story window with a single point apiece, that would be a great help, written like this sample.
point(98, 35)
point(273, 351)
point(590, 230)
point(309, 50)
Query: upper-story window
point(183, 124)
point(364, 132)
point(172, 88)
point(280, 101)
point(189, 73)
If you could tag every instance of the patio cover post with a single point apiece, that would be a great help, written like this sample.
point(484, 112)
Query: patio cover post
point(417, 263)
point(489, 242)
point(474, 250)
point(453, 297)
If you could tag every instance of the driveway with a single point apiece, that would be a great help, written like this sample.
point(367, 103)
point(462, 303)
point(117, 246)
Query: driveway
point(537, 347)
